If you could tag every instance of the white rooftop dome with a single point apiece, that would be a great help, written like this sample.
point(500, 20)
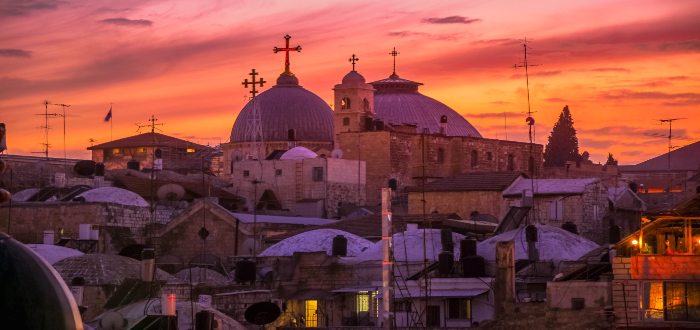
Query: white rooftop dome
point(553, 244)
point(316, 241)
point(113, 195)
point(298, 153)
point(54, 253)
point(408, 246)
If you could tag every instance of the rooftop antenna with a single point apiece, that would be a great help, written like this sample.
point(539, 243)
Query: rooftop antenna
point(63, 115)
point(530, 120)
point(670, 138)
point(46, 129)
point(152, 125)
point(254, 128)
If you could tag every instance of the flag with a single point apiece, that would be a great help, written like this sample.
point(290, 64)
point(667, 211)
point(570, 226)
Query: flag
point(108, 117)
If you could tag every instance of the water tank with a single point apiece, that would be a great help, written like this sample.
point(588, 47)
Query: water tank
point(531, 233)
point(467, 248)
point(570, 227)
point(204, 320)
point(99, 169)
point(84, 167)
point(340, 246)
point(446, 239)
point(446, 261)
point(133, 165)
point(245, 271)
point(473, 266)
point(614, 234)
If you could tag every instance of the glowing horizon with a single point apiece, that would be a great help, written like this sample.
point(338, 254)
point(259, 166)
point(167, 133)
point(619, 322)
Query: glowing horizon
point(619, 67)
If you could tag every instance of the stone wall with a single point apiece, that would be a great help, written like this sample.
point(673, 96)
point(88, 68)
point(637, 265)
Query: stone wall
point(30, 220)
point(461, 202)
point(595, 294)
point(625, 293)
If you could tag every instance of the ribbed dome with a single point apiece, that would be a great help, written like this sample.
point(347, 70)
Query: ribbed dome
point(287, 106)
point(353, 77)
point(397, 101)
point(298, 153)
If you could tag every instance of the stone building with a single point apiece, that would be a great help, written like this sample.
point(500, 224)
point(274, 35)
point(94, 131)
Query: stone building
point(463, 194)
point(656, 273)
point(299, 182)
point(176, 154)
point(581, 202)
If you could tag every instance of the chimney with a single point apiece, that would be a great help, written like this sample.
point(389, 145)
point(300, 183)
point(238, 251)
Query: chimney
point(147, 264)
point(443, 124)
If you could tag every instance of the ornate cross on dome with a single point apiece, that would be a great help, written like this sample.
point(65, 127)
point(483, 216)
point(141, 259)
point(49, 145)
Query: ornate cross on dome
point(253, 83)
point(286, 50)
point(352, 60)
point(394, 53)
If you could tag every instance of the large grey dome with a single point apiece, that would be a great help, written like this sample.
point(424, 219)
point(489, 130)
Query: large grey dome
point(287, 106)
point(397, 101)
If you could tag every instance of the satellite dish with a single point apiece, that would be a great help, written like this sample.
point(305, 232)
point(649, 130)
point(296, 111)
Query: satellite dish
point(4, 196)
point(262, 313)
point(337, 153)
point(171, 192)
point(112, 321)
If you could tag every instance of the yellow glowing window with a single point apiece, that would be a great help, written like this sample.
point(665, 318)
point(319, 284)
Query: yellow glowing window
point(311, 314)
point(116, 151)
point(363, 302)
point(190, 150)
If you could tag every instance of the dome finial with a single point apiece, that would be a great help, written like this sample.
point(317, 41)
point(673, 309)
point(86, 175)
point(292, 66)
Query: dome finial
point(286, 51)
point(394, 53)
point(352, 60)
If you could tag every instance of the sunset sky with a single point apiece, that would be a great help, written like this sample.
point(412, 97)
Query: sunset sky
point(619, 65)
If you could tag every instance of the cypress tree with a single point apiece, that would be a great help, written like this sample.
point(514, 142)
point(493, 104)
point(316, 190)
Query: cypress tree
point(562, 145)
point(611, 160)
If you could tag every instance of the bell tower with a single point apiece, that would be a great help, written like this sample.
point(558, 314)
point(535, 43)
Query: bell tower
point(353, 102)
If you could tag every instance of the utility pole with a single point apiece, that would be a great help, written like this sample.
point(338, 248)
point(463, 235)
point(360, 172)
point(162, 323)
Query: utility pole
point(670, 136)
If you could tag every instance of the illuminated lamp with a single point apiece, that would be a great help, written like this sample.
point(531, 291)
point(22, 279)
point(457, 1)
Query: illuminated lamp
point(635, 242)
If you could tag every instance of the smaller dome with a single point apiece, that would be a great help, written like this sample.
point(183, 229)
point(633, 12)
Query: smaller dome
point(54, 253)
point(353, 77)
point(298, 153)
point(408, 246)
point(113, 195)
point(553, 244)
point(316, 241)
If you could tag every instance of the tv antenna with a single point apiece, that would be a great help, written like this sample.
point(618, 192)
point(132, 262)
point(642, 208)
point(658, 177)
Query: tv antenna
point(530, 120)
point(670, 136)
point(152, 125)
point(46, 126)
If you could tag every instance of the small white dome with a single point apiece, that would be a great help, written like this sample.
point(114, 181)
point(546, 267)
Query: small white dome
point(298, 153)
point(113, 195)
point(53, 253)
point(316, 241)
point(553, 244)
point(408, 246)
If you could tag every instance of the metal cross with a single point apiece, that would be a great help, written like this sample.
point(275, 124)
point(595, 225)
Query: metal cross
point(286, 50)
point(253, 83)
point(352, 60)
point(394, 53)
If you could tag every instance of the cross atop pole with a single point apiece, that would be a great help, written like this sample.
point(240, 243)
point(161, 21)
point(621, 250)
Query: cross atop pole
point(286, 51)
point(353, 60)
point(394, 53)
point(253, 83)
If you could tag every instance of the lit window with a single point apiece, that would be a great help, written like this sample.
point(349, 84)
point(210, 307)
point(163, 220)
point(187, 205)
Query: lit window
point(116, 151)
point(363, 302)
point(345, 103)
point(671, 301)
point(311, 314)
point(190, 150)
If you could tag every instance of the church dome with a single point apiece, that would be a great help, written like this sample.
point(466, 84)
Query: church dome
point(397, 101)
point(287, 106)
point(353, 77)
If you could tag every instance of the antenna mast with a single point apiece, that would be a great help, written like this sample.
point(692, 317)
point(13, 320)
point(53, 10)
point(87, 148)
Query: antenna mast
point(254, 128)
point(670, 137)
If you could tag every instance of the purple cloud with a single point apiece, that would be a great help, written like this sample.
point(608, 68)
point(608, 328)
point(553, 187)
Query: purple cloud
point(451, 20)
point(121, 21)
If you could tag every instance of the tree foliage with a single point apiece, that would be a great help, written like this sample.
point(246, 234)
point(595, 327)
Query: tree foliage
point(611, 160)
point(562, 145)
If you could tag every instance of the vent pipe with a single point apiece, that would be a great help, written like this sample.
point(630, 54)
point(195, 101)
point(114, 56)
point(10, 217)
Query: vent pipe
point(147, 264)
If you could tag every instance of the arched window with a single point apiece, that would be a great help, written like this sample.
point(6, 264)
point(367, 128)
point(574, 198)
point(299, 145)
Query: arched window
point(475, 158)
point(365, 104)
point(346, 121)
point(345, 103)
point(511, 162)
point(393, 184)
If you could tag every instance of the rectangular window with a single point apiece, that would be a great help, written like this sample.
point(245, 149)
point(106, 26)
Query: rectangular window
point(311, 314)
point(363, 302)
point(317, 174)
point(190, 150)
point(402, 306)
point(278, 172)
point(432, 316)
point(116, 151)
point(489, 156)
point(246, 173)
point(459, 308)
point(556, 210)
point(671, 301)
